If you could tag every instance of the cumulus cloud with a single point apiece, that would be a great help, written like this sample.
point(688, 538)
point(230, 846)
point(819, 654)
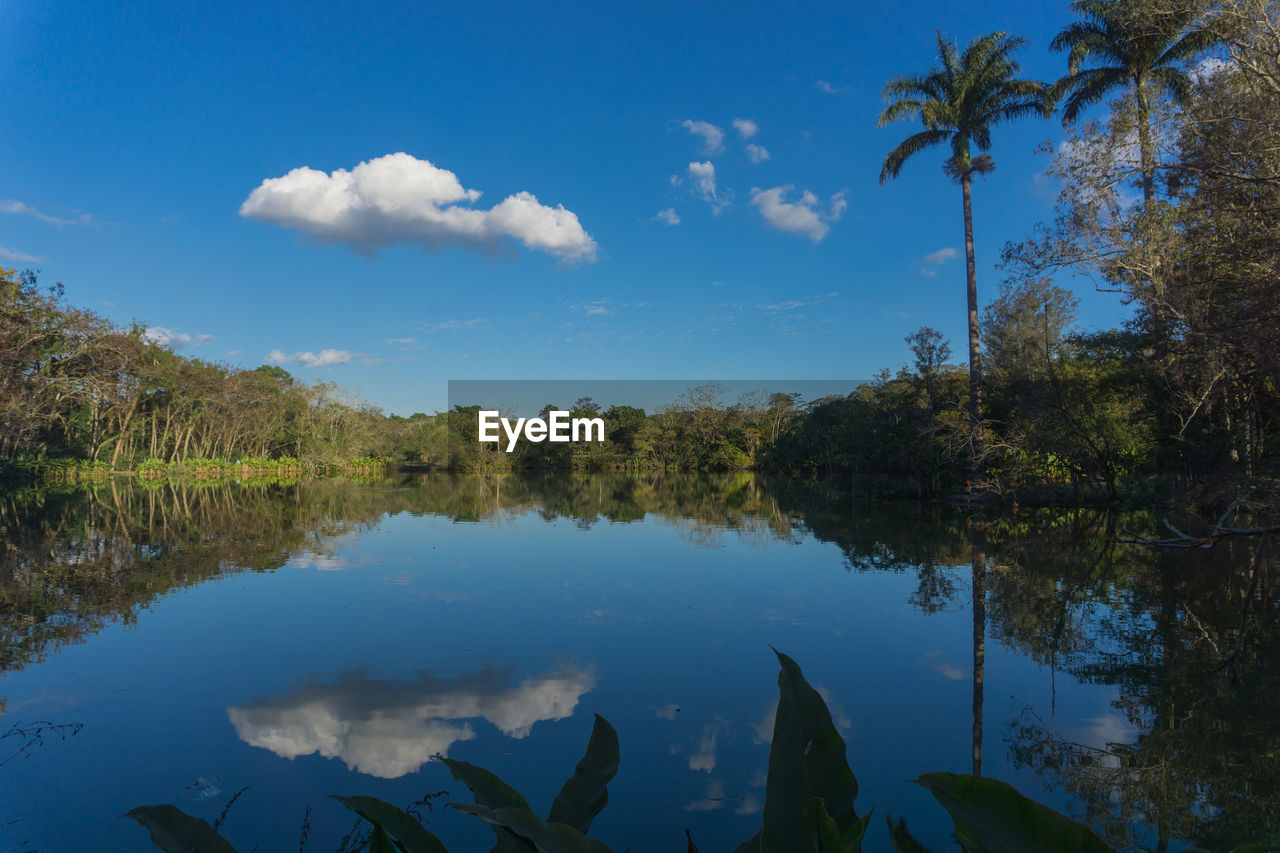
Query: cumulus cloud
point(934, 259)
point(746, 127)
point(17, 207)
point(828, 88)
point(174, 339)
point(19, 257)
point(804, 216)
point(399, 199)
point(324, 358)
point(757, 153)
point(390, 728)
point(702, 177)
point(712, 136)
point(669, 216)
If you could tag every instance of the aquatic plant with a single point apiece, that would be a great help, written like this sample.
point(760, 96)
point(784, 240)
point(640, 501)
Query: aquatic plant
point(809, 802)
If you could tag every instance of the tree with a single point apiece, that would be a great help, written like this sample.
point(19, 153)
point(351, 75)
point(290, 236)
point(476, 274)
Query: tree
point(931, 350)
point(960, 103)
point(1140, 45)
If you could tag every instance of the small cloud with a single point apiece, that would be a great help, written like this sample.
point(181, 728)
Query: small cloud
point(712, 136)
point(829, 89)
point(450, 325)
point(703, 178)
point(1206, 68)
point(703, 754)
point(746, 127)
point(401, 341)
point(668, 711)
point(18, 208)
point(324, 358)
point(668, 216)
point(803, 216)
point(172, 218)
point(598, 311)
point(934, 259)
point(174, 339)
point(234, 352)
point(757, 153)
point(399, 199)
point(19, 257)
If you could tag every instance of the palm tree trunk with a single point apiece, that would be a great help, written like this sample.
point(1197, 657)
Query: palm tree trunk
point(1146, 146)
point(979, 587)
point(975, 366)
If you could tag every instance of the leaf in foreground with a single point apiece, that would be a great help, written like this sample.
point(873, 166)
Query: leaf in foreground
point(175, 831)
point(546, 837)
point(992, 817)
point(586, 793)
point(398, 826)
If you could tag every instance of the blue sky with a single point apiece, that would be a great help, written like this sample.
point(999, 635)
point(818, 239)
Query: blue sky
point(150, 152)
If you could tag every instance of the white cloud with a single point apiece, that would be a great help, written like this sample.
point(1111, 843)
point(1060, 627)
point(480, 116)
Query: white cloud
point(669, 216)
point(324, 358)
point(20, 257)
point(17, 207)
point(234, 352)
point(703, 754)
point(712, 136)
point(398, 199)
point(746, 127)
point(450, 325)
point(390, 728)
point(804, 216)
point(757, 153)
point(703, 178)
point(940, 256)
point(828, 88)
point(1209, 66)
point(174, 339)
point(937, 258)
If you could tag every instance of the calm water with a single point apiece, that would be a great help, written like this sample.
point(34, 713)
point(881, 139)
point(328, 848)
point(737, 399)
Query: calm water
point(332, 637)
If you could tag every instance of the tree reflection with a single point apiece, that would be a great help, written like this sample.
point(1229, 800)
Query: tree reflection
point(1188, 753)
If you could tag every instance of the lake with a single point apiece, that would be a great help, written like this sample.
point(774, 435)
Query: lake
point(179, 643)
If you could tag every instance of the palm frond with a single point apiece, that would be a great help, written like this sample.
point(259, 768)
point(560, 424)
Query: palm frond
point(1085, 88)
point(1176, 83)
point(907, 149)
point(1189, 47)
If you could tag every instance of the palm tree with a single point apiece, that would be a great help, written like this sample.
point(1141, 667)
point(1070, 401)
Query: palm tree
point(1138, 45)
point(960, 103)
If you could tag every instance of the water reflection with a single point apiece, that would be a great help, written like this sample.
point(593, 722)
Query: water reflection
point(1186, 751)
point(389, 728)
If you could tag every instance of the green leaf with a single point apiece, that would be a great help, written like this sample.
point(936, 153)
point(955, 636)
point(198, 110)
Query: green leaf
point(545, 837)
point(175, 831)
point(824, 834)
point(398, 826)
point(492, 793)
point(902, 840)
point(992, 817)
point(806, 760)
point(585, 794)
point(378, 841)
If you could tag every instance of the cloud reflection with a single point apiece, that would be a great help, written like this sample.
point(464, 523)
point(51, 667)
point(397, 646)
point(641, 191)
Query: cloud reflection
point(389, 728)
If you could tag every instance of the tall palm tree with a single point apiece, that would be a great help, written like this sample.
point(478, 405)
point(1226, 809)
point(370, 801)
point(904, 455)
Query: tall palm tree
point(1138, 45)
point(960, 103)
